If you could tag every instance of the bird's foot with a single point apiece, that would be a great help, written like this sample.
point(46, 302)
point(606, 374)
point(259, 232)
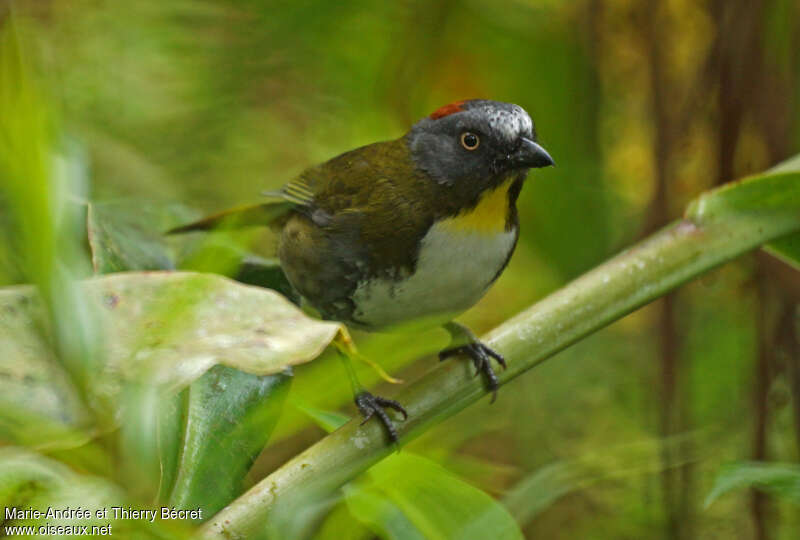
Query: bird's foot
point(481, 356)
point(370, 405)
point(347, 349)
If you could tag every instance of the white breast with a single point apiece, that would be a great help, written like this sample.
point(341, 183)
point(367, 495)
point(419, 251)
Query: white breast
point(454, 270)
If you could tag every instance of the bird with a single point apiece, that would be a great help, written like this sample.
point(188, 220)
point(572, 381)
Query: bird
point(414, 229)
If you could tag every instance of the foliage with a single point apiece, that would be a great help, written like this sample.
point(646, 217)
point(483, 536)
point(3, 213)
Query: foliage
point(117, 390)
point(780, 479)
point(719, 225)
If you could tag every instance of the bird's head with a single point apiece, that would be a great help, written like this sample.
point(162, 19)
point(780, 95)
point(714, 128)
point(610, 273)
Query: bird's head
point(476, 141)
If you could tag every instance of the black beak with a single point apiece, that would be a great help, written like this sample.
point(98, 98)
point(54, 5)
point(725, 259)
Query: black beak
point(531, 154)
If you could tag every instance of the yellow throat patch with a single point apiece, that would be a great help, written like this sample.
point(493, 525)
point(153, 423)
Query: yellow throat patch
point(489, 215)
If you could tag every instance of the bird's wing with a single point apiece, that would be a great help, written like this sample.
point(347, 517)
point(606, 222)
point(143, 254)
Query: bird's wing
point(348, 183)
point(252, 215)
point(299, 192)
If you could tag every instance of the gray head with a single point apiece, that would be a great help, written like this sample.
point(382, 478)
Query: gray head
point(478, 141)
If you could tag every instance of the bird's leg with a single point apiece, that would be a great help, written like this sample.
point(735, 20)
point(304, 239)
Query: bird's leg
point(368, 404)
point(465, 342)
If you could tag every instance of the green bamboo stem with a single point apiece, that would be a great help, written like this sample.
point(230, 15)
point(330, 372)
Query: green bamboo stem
point(719, 226)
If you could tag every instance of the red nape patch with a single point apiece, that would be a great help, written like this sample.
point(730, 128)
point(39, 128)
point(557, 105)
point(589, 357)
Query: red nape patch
point(448, 110)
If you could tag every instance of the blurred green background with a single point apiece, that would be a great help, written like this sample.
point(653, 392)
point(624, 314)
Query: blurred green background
point(643, 105)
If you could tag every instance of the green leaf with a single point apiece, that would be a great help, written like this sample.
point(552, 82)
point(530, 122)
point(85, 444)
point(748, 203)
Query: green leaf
point(231, 253)
point(170, 425)
point(30, 375)
point(787, 249)
point(229, 418)
point(790, 165)
point(340, 525)
point(777, 192)
point(408, 496)
point(125, 236)
point(774, 193)
point(28, 480)
point(267, 273)
point(24, 474)
point(779, 479)
point(163, 331)
point(538, 491)
point(330, 421)
point(380, 514)
point(165, 327)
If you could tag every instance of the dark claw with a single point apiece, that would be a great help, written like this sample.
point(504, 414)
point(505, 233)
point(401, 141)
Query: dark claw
point(497, 356)
point(481, 356)
point(370, 405)
point(447, 353)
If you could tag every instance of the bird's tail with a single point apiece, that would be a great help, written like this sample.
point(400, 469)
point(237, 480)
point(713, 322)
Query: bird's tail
point(254, 215)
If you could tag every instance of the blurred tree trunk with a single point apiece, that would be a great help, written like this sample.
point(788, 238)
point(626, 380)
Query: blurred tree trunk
point(789, 338)
point(762, 381)
point(749, 90)
point(674, 406)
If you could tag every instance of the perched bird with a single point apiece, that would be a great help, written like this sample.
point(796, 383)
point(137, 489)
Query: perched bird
point(413, 229)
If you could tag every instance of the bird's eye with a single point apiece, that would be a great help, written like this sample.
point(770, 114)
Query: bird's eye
point(470, 141)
